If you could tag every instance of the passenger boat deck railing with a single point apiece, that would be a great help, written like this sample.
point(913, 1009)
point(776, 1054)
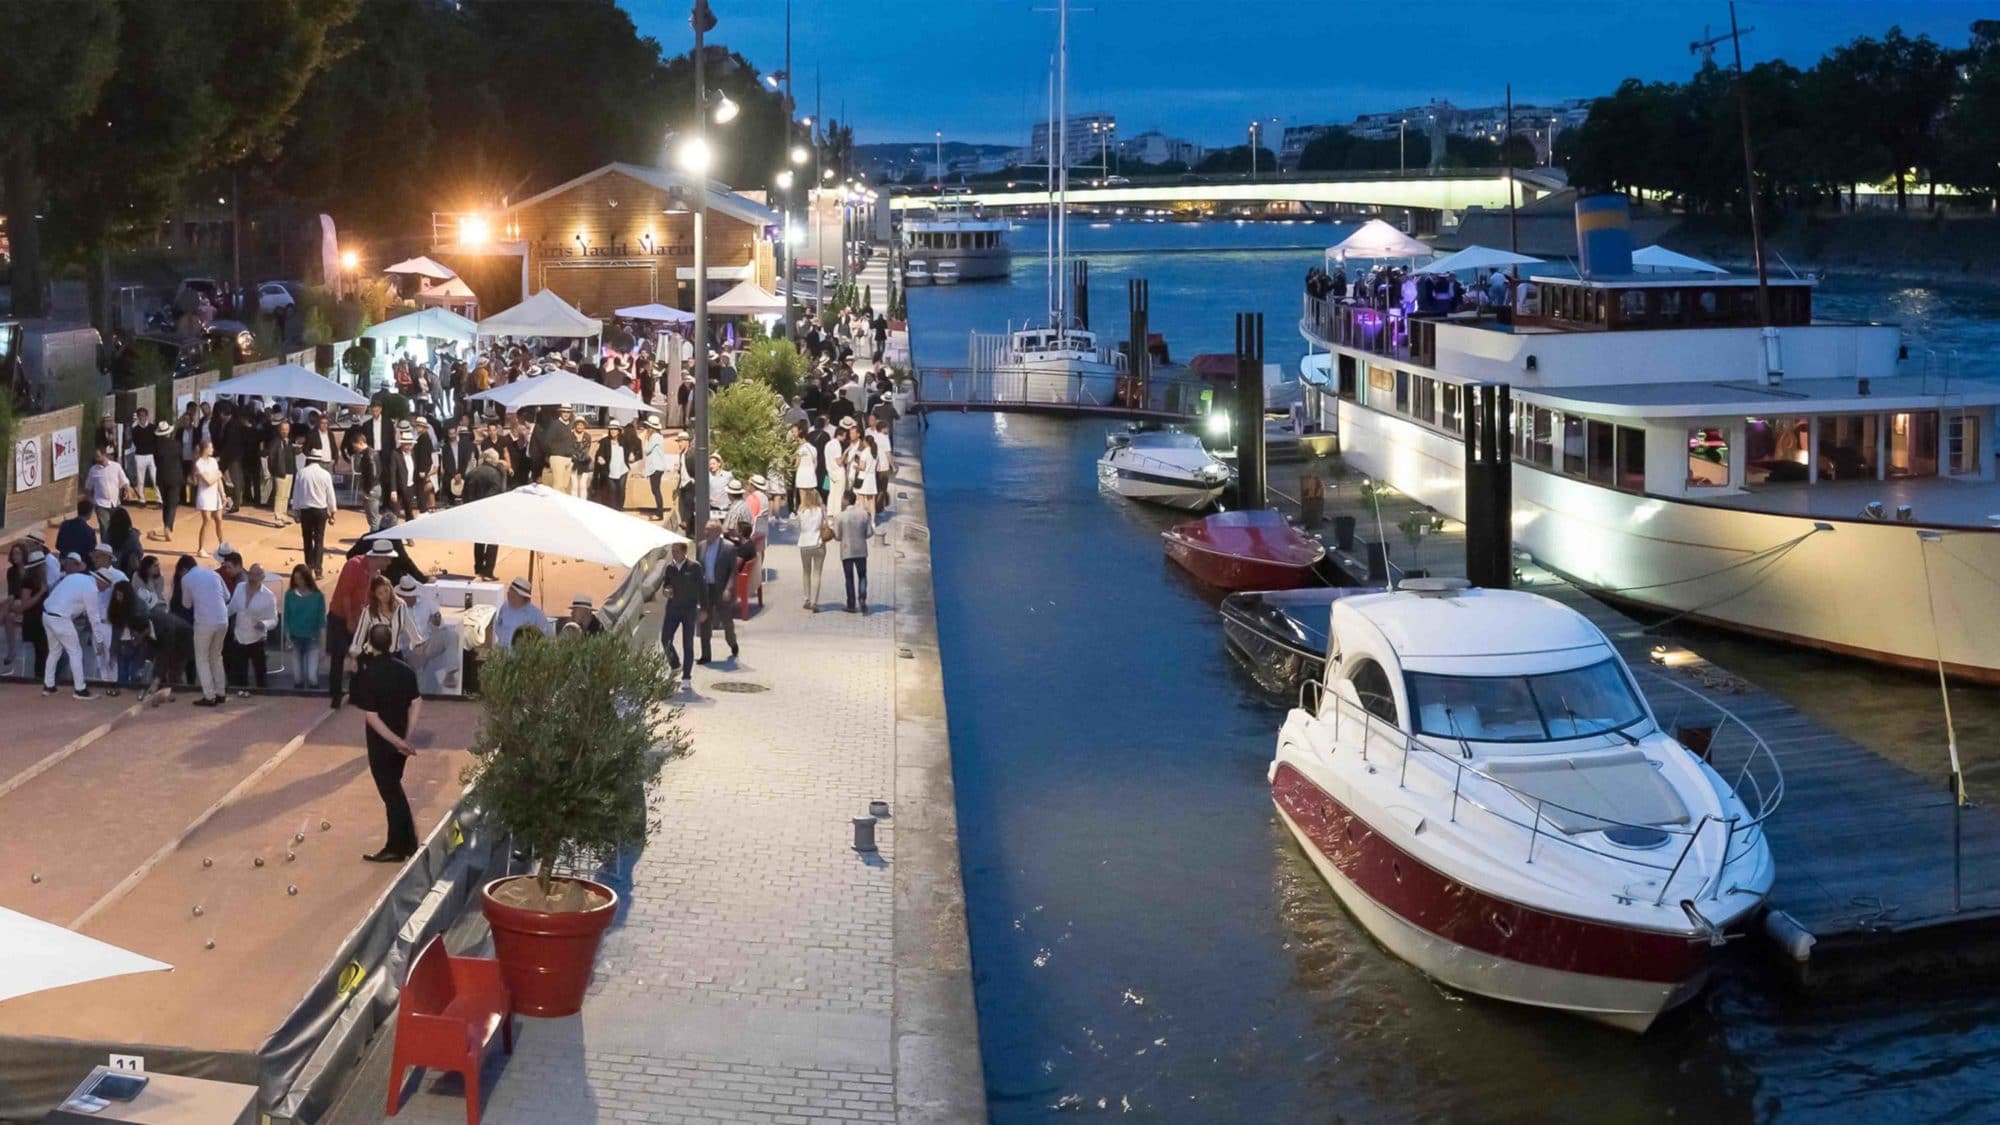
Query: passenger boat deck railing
point(1736, 752)
point(1389, 333)
point(1013, 387)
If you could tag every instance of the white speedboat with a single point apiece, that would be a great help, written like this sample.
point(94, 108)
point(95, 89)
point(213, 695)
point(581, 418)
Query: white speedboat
point(945, 273)
point(1167, 467)
point(916, 273)
point(1814, 482)
point(1484, 787)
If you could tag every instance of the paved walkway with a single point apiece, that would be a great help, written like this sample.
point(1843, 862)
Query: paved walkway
point(764, 971)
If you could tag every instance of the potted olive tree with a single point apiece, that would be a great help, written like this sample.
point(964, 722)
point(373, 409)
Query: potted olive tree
point(574, 733)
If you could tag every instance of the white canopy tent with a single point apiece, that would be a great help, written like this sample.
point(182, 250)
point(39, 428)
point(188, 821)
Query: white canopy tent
point(42, 955)
point(430, 324)
point(1479, 258)
point(537, 518)
point(747, 299)
point(287, 380)
point(1377, 241)
point(1659, 259)
point(562, 388)
point(543, 314)
point(452, 294)
point(662, 314)
point(423, 267)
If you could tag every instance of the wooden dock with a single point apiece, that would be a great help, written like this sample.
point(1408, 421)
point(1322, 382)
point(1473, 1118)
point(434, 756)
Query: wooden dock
point(1879, 873)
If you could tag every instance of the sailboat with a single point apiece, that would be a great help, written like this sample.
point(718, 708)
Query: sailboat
point(1062, 361)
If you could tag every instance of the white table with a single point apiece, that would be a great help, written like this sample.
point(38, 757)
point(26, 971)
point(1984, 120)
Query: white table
point(460, 593)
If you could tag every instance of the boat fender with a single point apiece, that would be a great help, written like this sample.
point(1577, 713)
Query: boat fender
point(1794, 939)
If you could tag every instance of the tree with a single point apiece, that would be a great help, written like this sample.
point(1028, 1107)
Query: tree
point(1338, 150)
point(1237, 159)
point(1905, 86)
point(1969, 137)
point(774, 363)
point(746, 421)
point(52, 71)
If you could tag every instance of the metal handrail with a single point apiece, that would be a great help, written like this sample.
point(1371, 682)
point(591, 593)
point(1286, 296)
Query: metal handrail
point(1767, 794)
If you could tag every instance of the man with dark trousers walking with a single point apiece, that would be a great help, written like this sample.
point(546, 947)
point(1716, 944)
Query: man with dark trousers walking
point(719, 558)
point(481, 481)
point(687, 593)
point(314, 500)
point(385, 692)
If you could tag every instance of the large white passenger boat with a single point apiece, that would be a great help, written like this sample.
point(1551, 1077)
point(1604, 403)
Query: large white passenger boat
point(1807, 482)
point(975, 247)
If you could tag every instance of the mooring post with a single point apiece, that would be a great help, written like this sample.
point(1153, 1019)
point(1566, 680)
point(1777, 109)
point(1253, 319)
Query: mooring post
point(1489, 486)
point(1249, 420)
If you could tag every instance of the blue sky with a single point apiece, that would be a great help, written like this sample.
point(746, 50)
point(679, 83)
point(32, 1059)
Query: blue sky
point(977, 69)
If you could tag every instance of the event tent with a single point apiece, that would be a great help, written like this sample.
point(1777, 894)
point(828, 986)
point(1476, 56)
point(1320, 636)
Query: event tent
point(1659, 259)
point(288, 380)
point(537, 518)
point(664, 314)
point(431, 324)
point(747, 299)
point(543, 314)
point(1375, 241)
point(1479, 258)
point(423, 267)
point(452, 294)
point(562, 388)
point(42, 955)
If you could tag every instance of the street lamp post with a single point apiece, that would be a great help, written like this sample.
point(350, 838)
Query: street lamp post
point(703, 20)
point(1253, 151)
point(1402, 167)
point(786, 180)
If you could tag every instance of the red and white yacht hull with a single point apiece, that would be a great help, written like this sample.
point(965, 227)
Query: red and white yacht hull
point(1481, 943)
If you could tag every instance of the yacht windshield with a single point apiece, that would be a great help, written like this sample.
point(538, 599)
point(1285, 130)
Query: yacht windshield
point(1165, 439)
point(1553, 705)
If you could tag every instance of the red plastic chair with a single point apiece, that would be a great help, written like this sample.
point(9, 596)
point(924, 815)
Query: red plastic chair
point(450, 1011)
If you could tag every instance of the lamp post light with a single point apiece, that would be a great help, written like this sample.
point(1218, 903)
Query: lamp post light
point(1402, 167)
point(1253, 152)
point(786, 179)
point(695, 159)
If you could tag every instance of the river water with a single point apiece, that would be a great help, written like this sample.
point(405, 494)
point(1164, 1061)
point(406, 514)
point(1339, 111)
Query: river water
point(1146, 938)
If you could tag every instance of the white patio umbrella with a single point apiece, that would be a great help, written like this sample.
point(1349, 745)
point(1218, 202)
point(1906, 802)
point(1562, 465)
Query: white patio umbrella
point(537, 518)
point(562, 388)
point(747, 299)
point(1479, 258)
point(543, 314)
point(288, 380)
point(423, 267)
point(431, 324)
point(1659, 259)
point(1377, 241)
point(664, 314)
point(42, 955)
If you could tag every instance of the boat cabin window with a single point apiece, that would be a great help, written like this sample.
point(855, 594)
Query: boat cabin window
point(1600, 445)
point(1449, 411)
point(1424, 407)
point(1372, 687)
point(1775, 450)
point(1708, 457)
point(1631, 459)
point(1913, 444)
point(1570, 704)
point(1847, 447)
point(1572, 445)
point(1963, 443)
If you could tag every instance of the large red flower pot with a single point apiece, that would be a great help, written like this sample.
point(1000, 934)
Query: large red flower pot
point(546, 957)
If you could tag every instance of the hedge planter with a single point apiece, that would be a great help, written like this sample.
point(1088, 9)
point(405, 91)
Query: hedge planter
point(546, 956)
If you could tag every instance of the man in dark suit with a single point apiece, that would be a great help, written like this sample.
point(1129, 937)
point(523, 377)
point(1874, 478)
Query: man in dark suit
point(686, 593)
point(482, 480)
point(281, 457)
point(719, 558)
point(381, 435)
point(399, 476)
point(461, 455)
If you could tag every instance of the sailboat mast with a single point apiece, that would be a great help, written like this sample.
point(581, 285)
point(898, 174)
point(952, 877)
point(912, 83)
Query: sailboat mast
point(1049, 178)
point(1061, 141)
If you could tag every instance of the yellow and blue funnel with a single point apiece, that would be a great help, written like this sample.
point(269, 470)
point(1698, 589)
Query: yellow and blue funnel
point(1604, 235)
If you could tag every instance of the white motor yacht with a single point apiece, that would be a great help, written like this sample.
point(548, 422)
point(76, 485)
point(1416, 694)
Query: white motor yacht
point(1167, 467)
point(1688, 446)
point(1063, 367)
point(916, 273)
point(946, 272)
point(1487, 791)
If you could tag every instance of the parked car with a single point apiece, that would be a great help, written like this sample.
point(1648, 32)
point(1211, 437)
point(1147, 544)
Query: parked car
point(49, 350)
point(195, 291)
point(178, 357)
point(275, 295)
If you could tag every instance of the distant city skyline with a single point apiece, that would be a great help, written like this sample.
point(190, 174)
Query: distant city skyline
point(977, 70)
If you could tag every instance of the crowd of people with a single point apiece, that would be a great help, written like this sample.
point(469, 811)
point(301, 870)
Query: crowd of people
point(1413, 292)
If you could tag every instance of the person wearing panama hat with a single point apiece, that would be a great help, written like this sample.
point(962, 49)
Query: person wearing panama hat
point(170, 478)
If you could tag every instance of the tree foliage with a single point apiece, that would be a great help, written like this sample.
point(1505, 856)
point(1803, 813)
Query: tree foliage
point(774, 363)
point(570, 742)
point(1870, 111)
point(747, 428)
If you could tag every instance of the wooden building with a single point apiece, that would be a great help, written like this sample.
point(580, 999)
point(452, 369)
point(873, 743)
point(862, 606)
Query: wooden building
point(621, 235)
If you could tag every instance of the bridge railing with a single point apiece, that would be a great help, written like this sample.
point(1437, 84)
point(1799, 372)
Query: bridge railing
point(1029, 388)
point(1385, 332)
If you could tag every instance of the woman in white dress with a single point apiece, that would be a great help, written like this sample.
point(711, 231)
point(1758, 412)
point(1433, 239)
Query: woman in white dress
point(805, 474)
point(837, 452)
point(207, 495)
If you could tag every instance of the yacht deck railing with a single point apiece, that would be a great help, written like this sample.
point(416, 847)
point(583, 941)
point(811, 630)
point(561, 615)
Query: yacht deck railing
point(1389, 332)
point(1729, 746)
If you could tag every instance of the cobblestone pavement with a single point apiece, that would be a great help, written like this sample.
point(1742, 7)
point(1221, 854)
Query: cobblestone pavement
point(751, 977)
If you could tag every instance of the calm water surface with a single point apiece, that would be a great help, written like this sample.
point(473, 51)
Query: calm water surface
point(1146, 938)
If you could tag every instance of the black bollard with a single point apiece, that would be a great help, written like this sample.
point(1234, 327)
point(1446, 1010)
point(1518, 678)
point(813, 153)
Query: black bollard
point(1489, 487)
point(1249, 420)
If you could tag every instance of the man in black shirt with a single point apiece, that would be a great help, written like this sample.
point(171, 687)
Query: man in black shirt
point(385, 692)
point(687, 595)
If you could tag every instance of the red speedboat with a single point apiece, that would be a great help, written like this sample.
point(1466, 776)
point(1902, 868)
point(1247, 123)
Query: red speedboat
point(1247, 550)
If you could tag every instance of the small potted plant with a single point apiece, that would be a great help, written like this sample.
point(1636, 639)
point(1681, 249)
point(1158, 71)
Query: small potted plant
point(574, 733)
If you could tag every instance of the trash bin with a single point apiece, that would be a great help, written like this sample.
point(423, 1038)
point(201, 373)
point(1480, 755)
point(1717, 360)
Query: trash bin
point(1343, 533)
point(1312, 500)
point(743, 589)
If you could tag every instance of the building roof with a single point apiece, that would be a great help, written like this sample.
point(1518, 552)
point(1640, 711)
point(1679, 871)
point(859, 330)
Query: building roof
point(720, 196)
